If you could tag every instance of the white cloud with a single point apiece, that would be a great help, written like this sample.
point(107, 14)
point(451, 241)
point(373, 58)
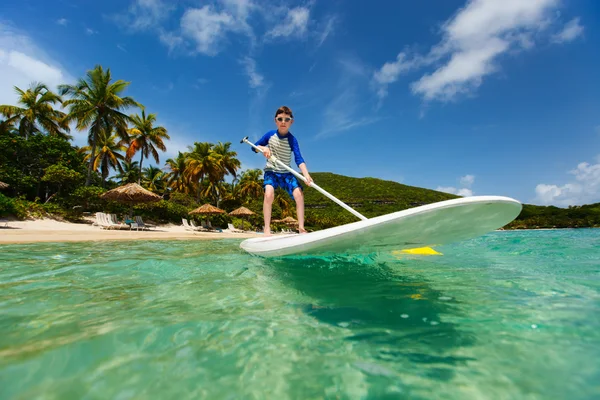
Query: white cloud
point(62, 21)
point(207, 28)
point(465, 190)
point(294, 25)
point(457, 191)
point(390, 71)
point(144, 14)
point(342, 114)
point(345, 110)
point(473, 40)
point(584, 189)
point(90, 31)
point(171, 40)
point(255, 79)
point(467, 180)
point(328, 30)
point(199, 82)
point(462, 74)
point(22, 62)
point(570, 32)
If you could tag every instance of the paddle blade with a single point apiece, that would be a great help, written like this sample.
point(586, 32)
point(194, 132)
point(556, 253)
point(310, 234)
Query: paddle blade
point(421, 251)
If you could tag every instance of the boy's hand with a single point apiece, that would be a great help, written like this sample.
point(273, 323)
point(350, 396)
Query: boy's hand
point(308, 179)
point(266, 151)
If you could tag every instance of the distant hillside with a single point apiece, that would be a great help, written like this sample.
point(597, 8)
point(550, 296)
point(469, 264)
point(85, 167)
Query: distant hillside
point(586, 216)
point(372, 197)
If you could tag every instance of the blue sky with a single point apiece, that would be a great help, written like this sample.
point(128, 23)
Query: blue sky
point(473, 97)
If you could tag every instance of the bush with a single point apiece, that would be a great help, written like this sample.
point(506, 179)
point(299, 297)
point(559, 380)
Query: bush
point(183, 199)
point(7, 205)
point(88, 197)
point(162, 211)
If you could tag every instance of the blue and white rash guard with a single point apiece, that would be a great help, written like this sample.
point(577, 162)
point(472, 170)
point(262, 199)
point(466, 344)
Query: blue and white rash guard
point(282, 147)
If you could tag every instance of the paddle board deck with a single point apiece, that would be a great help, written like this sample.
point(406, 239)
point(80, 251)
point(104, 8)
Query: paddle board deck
point(425, 226)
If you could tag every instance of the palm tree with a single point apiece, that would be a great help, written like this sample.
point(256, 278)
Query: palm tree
point(283, 200)
point(8, 127)
point(215, 190)
point(96, 105)
point(202, 162)
point(145, 137)
point(109, 154)
point(37, 112)
point(130, 172)
point(251, 184)
point(176, 178)
point(152, 178)
point(229, 163)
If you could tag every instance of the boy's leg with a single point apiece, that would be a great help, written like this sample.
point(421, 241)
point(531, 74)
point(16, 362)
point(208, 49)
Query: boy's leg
point(267, 205)
point(299, 197)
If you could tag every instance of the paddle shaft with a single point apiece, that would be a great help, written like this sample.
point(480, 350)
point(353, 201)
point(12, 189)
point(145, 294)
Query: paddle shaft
point(313, 185)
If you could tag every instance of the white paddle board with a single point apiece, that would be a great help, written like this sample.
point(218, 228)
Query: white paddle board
point(429, 225)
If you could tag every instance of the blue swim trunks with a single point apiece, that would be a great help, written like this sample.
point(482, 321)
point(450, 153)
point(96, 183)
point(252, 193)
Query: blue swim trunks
point(284, 180)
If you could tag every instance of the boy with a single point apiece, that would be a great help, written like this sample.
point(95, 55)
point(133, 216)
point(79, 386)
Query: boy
point(282, 144)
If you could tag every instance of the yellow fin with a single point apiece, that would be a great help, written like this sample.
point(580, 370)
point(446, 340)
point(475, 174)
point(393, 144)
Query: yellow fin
point(423, 251)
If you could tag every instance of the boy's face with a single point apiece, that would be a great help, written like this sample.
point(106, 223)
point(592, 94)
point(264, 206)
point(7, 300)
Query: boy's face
point(283, 122)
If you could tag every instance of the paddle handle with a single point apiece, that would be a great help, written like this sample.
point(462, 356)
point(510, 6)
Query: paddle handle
point(312, 185)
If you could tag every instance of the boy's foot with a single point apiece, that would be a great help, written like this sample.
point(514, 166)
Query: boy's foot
point(302, 230)
point(267, 233)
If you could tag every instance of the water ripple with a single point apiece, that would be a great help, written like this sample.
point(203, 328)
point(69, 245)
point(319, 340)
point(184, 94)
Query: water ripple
point(508, 315)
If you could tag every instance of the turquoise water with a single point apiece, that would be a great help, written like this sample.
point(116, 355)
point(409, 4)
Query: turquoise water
point(512, 315)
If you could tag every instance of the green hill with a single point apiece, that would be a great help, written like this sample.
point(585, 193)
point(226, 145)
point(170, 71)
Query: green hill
point(372, 197)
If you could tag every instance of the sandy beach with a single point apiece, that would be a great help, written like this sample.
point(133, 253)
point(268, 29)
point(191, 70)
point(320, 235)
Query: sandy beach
point(49, 230)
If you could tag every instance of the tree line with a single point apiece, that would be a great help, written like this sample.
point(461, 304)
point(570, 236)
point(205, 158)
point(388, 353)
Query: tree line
point(39, 161)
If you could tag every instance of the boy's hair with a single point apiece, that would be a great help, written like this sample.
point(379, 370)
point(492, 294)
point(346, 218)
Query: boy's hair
point(284, 110)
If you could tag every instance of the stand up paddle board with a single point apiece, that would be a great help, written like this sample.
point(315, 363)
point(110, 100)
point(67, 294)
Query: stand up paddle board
point(426, 226)
point(429, 225)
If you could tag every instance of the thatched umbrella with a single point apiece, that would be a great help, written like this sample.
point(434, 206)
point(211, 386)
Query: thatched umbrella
point(289, 221)
point(4, 185)
point(131, 193)
point(242, 212)
point(207, 209)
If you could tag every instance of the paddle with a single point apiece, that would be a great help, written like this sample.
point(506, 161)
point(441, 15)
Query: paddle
point(313, 185)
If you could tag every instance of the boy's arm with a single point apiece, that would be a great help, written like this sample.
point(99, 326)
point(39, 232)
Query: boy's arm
point(305, 173)
point(263, 142)
point(299, 160)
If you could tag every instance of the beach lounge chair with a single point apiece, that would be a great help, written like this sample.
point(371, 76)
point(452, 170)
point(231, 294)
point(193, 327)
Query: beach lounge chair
point(196, 227)
point(4, 221)
point(189, 226)
point(141, 224)
point(102, 221)
point(116, 224)
point(234, 229)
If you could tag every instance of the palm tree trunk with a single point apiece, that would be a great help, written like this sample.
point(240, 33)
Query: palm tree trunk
point(91, 164)
point(141, 161)
point(199, 187)
point(92, 157)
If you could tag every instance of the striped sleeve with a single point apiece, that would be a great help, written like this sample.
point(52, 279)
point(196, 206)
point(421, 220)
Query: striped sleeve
point(296, 149)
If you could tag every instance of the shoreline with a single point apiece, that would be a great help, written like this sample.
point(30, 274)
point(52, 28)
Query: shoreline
point(48, 230)
point(53, 231)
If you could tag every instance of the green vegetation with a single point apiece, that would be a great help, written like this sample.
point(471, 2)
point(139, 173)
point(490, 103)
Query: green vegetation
point(49, 176)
